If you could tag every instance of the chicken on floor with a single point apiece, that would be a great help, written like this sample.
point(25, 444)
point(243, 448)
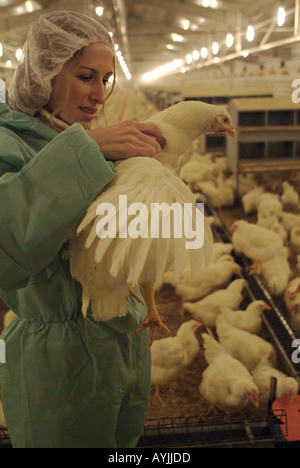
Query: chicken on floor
point(226, 383)
point(171, 355)
point(255, 242)
point(285, 385)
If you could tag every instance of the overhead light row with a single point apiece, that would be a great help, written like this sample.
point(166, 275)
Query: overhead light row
point(204, 52)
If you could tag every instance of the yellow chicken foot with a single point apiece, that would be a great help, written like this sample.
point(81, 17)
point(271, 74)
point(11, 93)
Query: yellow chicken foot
point(157, 395)
point(181, 309)
point(152, 319)
point(135, 295)
point(255, 269)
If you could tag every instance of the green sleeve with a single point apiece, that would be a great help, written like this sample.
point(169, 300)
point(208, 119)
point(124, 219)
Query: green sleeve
point(41, 202)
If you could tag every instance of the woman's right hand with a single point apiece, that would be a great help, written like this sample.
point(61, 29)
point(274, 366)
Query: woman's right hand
point(128, 139)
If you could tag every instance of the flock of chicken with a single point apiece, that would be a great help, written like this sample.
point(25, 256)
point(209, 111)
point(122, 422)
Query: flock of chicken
point(240, 362)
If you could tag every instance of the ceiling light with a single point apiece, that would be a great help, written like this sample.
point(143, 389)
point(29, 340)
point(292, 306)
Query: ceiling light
point(99, 11)
point(215, 48)
point(185, 23)
point(19, 54)
point(245, 53)
point(189, 58)
point(177, 38)
point(204, 52)
point(116, 47)
point(281, 16)
point(183, 69)
point(229, 40)
point(9, 63)
point(29, 6)
point(162, 70)
point(250, 33)
point(196, 55)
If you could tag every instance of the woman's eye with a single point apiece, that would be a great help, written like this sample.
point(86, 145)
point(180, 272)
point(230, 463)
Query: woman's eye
point(85, 77)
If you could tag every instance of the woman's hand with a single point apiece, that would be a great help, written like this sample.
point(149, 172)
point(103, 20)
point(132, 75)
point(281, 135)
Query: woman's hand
point(128, 139)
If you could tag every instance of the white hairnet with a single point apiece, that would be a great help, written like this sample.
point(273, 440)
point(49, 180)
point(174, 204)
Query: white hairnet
point(52, 41)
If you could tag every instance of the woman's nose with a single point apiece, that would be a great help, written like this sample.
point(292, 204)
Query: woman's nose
point(98, 93)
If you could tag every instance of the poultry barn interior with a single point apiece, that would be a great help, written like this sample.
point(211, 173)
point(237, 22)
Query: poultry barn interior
point(176, 51)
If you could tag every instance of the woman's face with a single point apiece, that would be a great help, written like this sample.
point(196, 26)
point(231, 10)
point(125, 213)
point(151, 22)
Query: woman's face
point(86, 88)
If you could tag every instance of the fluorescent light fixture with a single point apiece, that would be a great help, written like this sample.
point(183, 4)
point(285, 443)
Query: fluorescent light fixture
point(229, 40)
point(18, 54)
point(196, 54)
point(204, 52)
point(29, 6)
point(189, 58)
point(215, 48)
point(99, 11)
point(281, 16)
point(177, 38)
point(250, 33)
point(185, 24)
point(159, 71)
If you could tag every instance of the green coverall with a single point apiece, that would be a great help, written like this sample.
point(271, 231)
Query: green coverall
point(68, 382)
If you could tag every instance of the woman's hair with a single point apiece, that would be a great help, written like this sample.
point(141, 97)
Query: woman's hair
point(52, 40)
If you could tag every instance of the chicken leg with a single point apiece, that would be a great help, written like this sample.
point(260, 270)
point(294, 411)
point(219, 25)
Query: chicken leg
point(152, 319)
point(255, 268)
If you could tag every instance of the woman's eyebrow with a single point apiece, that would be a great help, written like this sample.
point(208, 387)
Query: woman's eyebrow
point(91, 69)
point(95, 71)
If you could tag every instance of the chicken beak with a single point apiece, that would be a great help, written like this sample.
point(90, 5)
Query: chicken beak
point(253, 398)
point(231, 131)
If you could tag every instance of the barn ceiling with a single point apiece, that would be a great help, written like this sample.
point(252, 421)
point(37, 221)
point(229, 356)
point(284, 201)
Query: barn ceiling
point(169, 34)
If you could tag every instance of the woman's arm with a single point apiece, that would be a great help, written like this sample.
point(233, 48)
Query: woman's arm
point(42, 202)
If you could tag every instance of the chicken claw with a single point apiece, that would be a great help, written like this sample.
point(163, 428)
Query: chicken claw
point(135, 295)
point(152, 319)
point(255, 269)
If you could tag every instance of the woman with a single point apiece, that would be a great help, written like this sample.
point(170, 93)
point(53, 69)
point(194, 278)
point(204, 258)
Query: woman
point(68, 381)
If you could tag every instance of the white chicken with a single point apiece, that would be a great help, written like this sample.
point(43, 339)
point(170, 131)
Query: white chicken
point(196, 170)
point(269, 204)
point(171, 355)
point(295, 239)
point(109, 267)
point(209, 308)
point(218, 191)
point(289, 197)
point(289, 220)
point(220, 249)
point(214, 276)
point(244, 346)
point(255, 242)
point(251, 198)
point(277, 272)
point(285, 385)
point(249, 319)
point(226, 383)
point(272, 223)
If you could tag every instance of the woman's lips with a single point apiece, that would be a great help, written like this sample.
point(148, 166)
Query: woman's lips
point(88, 112)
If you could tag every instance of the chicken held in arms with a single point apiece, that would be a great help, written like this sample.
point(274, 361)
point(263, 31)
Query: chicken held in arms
point(109, 266)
